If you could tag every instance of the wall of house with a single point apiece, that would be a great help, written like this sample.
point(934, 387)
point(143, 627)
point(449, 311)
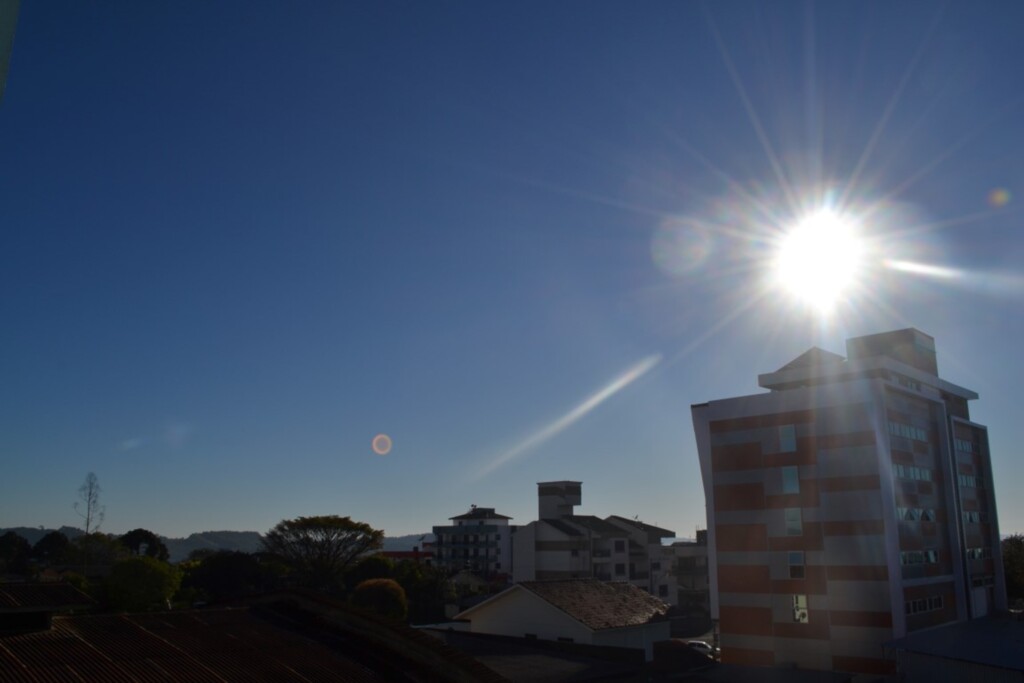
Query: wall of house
point(520, 614)
point(636, 637)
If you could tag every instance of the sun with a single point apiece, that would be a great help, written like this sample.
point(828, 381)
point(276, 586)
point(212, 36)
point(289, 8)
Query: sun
point(819, 259)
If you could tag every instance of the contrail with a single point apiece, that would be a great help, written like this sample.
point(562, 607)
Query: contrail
point(562, 423)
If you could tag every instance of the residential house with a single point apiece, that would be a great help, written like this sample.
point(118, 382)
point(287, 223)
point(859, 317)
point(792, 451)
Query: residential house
point(585, 611)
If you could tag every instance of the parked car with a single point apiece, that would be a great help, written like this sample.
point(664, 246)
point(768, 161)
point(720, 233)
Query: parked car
point(703, 647)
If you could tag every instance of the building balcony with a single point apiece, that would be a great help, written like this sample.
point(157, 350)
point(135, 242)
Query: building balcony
point(601, 553)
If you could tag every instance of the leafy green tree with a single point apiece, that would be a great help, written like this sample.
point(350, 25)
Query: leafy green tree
point(52, 548)
point(143, 583)
point(14, 553)
point(370, 567)
point(427, 589)
point(95, 550)
point(381, 596)
point(228, 575)
point(320, 549)
point(1013, 566)
point(144, 542)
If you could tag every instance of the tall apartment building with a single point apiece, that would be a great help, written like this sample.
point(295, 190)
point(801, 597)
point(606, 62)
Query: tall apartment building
point(850, 505)
point(563, 545)
point(479, 540)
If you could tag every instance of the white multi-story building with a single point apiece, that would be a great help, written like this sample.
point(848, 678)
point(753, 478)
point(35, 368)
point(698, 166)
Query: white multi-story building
point(564, 545)
point(479, 540)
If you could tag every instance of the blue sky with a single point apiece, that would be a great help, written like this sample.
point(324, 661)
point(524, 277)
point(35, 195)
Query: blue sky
point(242, 239)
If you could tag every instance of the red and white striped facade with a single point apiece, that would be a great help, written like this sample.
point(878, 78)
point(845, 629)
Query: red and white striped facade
point(847, 507)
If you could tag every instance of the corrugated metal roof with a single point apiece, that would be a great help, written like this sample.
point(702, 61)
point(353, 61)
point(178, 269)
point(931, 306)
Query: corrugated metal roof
point(21, 597)
point(248, 644)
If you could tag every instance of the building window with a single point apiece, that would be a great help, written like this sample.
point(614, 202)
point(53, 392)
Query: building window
point(574, 553)
point(794, 522)
point(796, 565)
point(970, 481)
point(912, 472)
point(787, 438)
point(662, 591)
point(965, 445)
point(497, 565)
point(620, 569)
point(790, 479)
point(907, 431)
point(655, 566)
point(923, 605)
point(975, 517)
point(800, 609)
point(620, 546)
point(922, 556)
point(915, 514)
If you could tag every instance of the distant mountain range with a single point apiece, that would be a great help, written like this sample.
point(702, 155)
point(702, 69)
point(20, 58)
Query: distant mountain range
point(179, 548)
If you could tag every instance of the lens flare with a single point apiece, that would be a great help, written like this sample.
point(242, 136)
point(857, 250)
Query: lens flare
point(382, 444)
point(565, 421)
point(999, 197)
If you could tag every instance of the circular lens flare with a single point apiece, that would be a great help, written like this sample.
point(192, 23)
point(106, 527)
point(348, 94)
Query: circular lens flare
point(819, 258)
point(382, 444)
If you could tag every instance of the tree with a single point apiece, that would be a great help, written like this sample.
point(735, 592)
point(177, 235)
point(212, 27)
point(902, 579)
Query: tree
point(227, 575)
point(382, 596)
point(89, 501)
point(1013, 566)
point(95, 550)
point(427, 590)
point(319, 549)
point(137, 584)
point(370, 567)
point(14, 553)
point(51, 548)
point(144, 542)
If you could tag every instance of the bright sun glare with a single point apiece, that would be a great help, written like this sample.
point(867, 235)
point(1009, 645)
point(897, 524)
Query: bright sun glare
point(819, 258)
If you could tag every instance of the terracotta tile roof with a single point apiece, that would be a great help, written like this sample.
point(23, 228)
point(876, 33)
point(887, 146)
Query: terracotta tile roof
point(22, 597)
point(599, 604)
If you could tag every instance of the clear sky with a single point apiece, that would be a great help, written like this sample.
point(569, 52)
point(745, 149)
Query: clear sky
point(238, 240)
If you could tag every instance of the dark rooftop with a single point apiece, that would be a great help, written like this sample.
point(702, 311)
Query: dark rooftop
point(993, 641)
point(649, 529)
point(596, 524)
point(598, 604)
point(294, 638)
point(480, 513)
point(30, 597)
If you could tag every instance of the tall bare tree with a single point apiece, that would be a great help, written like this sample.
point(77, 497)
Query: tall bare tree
point(88, 506)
